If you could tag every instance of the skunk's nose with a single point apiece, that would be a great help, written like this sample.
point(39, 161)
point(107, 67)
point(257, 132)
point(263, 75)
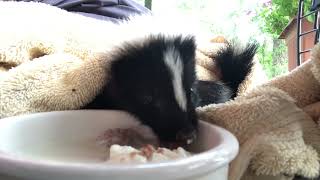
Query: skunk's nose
point(186, 136)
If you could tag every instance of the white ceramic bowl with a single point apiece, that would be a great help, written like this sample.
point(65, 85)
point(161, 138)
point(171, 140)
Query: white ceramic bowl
point(61, 146)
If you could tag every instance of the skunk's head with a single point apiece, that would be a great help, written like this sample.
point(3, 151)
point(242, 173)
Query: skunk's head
point(153, 81)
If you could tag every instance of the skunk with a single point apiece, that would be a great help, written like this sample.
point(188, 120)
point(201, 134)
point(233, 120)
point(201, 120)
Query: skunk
point(154, 79)
point(152, 75)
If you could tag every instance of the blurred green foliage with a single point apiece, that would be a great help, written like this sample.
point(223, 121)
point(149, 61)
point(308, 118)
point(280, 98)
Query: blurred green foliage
point(274, 15)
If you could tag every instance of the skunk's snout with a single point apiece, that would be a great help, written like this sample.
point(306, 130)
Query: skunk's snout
point(186, 136)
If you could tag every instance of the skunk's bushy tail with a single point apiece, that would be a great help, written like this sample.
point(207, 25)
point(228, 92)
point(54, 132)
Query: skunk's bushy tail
point(235, 63)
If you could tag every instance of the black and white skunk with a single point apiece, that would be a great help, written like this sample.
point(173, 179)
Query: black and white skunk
point(155, 81)
point(153, 77)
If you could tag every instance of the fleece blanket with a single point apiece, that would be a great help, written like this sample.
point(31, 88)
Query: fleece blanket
point(63, 68)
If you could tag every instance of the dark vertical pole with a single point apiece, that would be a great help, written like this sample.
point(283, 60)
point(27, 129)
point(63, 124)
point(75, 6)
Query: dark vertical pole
point(148, 4)
point(316, 26)
point(300, 12)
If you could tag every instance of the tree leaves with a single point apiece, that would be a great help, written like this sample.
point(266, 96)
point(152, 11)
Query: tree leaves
point(276, 14)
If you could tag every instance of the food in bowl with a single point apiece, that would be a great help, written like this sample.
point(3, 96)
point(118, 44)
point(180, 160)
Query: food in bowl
point(136, 136)
point(138, 145)
point(129, 154)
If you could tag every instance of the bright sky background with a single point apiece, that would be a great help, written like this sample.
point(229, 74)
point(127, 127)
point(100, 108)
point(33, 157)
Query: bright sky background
point(215, 15)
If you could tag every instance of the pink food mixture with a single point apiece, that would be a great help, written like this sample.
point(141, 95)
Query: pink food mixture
point(132, 145)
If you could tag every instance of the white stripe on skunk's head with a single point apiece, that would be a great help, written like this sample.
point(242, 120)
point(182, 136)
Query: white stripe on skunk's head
point(152, 79)
point(175, 65)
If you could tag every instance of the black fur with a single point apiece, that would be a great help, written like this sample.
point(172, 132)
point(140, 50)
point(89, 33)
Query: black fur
point(142, 85)
point(210, 92)
point(234, 65)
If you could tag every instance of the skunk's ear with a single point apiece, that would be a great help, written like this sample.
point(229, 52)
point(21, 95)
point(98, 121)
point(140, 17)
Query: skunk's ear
point(187, 48)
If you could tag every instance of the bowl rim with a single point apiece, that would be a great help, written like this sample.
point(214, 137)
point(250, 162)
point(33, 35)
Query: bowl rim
point(202, 162)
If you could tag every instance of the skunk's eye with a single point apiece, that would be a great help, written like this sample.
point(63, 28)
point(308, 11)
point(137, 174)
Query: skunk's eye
point(192, 90)
point(193, 93)
point(146, 99)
